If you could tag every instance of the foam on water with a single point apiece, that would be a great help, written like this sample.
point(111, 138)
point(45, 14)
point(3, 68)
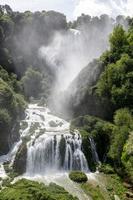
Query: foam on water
point(55, 148)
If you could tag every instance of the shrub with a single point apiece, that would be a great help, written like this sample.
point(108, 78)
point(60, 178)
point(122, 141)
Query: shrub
point(78, 176)
point(106, 168)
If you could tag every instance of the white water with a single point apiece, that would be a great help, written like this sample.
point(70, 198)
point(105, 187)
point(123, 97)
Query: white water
point(94, 151)
point(52, 148)
point(2, 172)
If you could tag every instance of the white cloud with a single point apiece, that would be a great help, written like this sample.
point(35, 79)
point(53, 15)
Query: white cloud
point(74, 8)
point(64, 6)
point(98, 7)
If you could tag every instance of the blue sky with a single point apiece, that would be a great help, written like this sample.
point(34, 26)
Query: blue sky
point(73, 8)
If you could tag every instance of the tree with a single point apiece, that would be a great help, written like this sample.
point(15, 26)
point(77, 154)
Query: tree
point(116, 83)
point(118, 42)
point(127, 156)
point(32, 83)
point(123, 120)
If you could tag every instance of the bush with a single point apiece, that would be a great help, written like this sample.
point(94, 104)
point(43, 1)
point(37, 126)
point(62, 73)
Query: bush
point(78, 176)
point(106, 168)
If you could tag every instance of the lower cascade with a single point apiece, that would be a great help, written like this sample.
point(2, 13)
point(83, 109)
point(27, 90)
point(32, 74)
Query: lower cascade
point(51, 146)
point(58, 152)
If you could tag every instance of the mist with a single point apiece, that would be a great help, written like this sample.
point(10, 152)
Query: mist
point(70, 51)
point(58, 50)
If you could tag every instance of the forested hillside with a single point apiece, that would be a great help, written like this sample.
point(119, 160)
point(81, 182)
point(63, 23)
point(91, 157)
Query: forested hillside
point(113, 90)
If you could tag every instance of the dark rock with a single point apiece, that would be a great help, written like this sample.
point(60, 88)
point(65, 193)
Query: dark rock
point(53, 124)
point(129, 194)
point(19, 165)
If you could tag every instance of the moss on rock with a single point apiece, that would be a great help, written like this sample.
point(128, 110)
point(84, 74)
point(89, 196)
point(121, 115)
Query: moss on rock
point(78, 176)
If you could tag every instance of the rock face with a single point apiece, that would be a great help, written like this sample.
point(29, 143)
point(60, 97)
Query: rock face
point(83, 99)
point(19, 165)
point(4, 147)
point(8, 135)
point(80, 98)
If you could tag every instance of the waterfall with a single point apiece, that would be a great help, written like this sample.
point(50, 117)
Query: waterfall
point(47, 154)
point(94, 151)
point(51, 146)
point(2, 172)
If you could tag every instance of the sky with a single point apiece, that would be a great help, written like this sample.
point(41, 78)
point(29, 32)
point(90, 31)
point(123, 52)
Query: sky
point(74, 8)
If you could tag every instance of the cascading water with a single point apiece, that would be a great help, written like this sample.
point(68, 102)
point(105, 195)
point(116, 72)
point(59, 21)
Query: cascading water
point(50, 153)
point(94, 151)
point(52, 150)
point(52, 147)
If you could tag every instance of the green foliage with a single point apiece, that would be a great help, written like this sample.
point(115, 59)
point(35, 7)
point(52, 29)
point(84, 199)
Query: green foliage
point(116, 84)
point(5, 118)
point(32, 83)
point(114, 185)
point(12, 105)
point(27, 190)
point(123, 121)
point(110, 139)
point(78, 176)
point(106, 168)
point(7, 25)
point(127, 156)
point(118, 42)
point(99, 130)
point(10, 100)
point(105, 187)
point(123, 117)
point(93, 191)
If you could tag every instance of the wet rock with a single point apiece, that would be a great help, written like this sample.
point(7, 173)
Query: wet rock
point(19, 165)
point(53, 124)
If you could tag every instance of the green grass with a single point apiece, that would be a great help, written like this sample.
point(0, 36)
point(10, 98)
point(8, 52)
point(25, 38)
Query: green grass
point(30, 190)
point(104, 187)
point(93, 191)
point(115, 186)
